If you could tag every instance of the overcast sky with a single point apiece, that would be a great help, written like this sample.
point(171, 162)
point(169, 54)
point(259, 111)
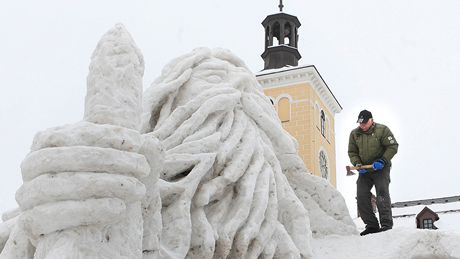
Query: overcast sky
point(399, 59)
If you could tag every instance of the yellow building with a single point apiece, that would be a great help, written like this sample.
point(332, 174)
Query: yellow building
point(305, 104)
point(306, 108)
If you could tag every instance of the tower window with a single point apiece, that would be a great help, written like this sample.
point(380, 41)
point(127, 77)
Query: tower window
point(267, 37)
point(284, 109)
point(286, 41)
point(287, 34)
point(323, 165)
point(323, 123)
point(276, 34)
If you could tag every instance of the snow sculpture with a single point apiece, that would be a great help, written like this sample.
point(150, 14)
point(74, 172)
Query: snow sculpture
point(210, 174)
point(82, 193)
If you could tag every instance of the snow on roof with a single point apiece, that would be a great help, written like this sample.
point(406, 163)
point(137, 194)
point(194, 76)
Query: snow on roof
point(281, 69)
point(436, 207)
point(426, 201)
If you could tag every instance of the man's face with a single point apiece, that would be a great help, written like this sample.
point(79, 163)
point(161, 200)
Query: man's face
point(365, 126)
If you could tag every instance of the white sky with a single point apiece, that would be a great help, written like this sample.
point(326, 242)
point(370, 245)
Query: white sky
point(399, 59)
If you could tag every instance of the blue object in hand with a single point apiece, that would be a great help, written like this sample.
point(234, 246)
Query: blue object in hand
point(378, 164)
point(362, 171)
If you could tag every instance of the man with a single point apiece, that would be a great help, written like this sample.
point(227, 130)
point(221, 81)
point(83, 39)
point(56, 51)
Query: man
point(373, 144)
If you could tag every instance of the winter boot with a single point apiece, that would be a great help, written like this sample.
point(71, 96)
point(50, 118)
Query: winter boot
point(370, 230)
point(385, 228)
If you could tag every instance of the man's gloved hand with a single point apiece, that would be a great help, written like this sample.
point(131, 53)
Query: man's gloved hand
point(378, 164)
point(361, 171)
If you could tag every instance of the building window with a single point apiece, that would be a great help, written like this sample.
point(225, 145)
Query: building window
point(284, 109)
point(323, 165)
point(428, 223)
point(276, 33)
point(323, 123)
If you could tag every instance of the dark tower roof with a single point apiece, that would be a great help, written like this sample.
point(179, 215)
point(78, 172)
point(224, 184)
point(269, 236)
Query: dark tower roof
point(281, 39)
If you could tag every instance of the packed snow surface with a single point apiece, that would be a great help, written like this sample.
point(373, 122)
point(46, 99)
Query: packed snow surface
point(398, 243)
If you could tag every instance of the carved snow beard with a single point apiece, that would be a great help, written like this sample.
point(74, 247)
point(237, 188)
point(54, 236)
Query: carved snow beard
point(222, 189)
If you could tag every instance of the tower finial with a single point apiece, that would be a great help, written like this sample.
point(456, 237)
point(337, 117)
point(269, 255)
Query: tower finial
point(281, 40)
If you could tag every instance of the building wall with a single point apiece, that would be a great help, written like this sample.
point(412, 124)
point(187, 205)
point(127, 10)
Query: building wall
point(304, 124)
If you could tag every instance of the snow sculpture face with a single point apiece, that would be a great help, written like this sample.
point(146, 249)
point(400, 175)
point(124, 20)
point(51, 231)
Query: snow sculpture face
point(221, 176)
point(191, 75)
point(232, 183)
point(207, 75)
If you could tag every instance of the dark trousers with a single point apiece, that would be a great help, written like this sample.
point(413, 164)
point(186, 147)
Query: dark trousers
point(381, 180)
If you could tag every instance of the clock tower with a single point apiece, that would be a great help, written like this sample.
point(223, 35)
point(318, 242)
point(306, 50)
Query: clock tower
point(305, 104)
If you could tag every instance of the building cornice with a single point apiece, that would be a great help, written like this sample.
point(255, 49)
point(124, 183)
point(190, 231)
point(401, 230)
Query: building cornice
point(295, 75)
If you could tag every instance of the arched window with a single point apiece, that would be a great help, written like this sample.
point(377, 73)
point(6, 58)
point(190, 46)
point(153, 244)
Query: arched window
point(323, 123)
point(287, 34)
point(276, 33)
point(267, 37)
point(323, 165)
point(284, 109)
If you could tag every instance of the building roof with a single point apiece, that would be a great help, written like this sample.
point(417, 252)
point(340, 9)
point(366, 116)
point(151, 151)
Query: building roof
point(425, 211)
point(291, 75)
point(438, 205)
point(426, 202)
point(281, 16)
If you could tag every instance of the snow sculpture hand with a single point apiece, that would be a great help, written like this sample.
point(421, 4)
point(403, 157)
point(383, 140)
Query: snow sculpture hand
point(76, 174)
point(82, 186)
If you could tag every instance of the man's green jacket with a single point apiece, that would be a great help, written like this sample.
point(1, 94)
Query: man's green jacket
point(377, 143)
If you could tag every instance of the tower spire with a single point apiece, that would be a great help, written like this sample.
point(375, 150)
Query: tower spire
point(281, 40)
point(281, 5)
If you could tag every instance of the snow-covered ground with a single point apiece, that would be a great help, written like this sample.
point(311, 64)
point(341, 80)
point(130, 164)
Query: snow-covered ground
point(403, 241)
point(448, 222)
point(448, 212)
point(400, 242)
